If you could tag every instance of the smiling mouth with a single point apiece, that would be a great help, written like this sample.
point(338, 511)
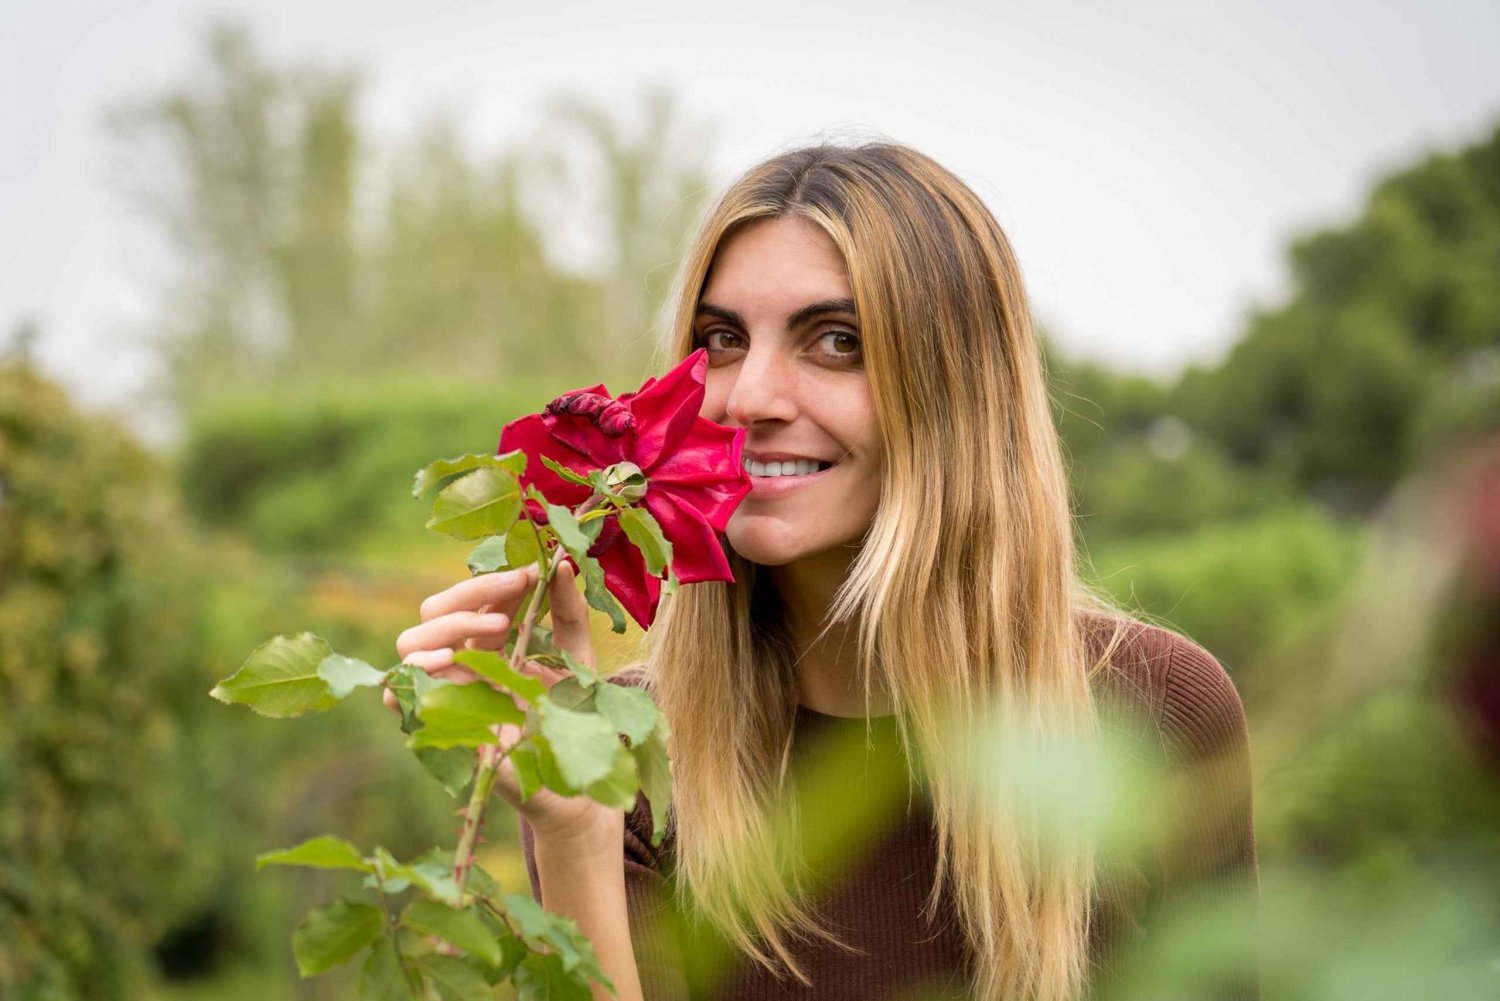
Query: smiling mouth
point(793, 467)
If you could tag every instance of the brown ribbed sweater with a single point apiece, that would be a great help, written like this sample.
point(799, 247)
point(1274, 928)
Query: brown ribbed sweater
point(1189, 720)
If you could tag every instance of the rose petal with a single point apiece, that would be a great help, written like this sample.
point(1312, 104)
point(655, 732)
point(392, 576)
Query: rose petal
point(705, 472)
point(584, 436)
point(529, 435)
point(665, 409)
point(697, 554)
point(626, 577)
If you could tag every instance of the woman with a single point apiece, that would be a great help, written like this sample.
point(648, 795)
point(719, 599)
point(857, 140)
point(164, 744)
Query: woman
point(915, 573)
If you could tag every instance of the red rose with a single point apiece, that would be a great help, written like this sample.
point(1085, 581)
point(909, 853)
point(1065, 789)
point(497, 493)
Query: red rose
point(693, 469)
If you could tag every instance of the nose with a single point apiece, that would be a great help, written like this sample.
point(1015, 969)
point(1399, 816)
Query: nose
point(764, 388)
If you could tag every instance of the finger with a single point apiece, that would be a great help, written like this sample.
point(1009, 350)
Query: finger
point(389, 698)
point(456, 673)
point(451, 630)
point(428, 660)
point(501, 591)
point(570, 616)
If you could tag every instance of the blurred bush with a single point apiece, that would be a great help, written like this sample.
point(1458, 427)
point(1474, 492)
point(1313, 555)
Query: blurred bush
point(331, 472)
point(1243, 589)
point(98, 637)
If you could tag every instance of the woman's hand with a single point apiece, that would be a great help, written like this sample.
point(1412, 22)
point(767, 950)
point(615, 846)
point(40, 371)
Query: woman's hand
point(476, 614)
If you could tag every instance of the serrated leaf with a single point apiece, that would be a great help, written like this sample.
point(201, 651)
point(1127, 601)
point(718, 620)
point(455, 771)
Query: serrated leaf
point(451, 766)
point(576, 537)
point(629, 710)
point(523, 758)
point(587, 676)
point(655, 775)
point(540, 928)
point(490, 665)
point(597, 594)
point(543, 978)
point(435, 472)
point(618, 789)
point(570, 693)
point(332, 935)
point(583, 743)
point(344, 674)
point(382, 979)
point(488, 556)
point(280, 678)
point(521, 544)
point(431, 873)
point(410, 683)
point(325, 852)
point(579, 478)
point(456, 927)
point(461, 716)
point(642, 529)
point(456, 979)
point(484, 502)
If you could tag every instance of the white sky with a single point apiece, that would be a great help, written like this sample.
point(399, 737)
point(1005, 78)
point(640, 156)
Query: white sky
point(1149, 160)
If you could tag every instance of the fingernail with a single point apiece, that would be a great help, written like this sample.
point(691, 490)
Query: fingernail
point(494, 620)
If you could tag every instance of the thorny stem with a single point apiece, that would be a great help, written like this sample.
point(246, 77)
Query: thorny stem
point(490, 755)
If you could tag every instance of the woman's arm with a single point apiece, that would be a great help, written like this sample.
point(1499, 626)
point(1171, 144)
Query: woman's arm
point(582, 876)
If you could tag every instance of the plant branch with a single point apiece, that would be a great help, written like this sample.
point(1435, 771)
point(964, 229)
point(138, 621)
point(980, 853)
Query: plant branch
point(490, 755)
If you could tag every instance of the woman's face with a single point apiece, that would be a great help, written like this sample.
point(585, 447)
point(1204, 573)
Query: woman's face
point(786, 363)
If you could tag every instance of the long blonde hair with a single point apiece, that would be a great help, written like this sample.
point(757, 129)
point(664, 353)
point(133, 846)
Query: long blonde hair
point(964, 594)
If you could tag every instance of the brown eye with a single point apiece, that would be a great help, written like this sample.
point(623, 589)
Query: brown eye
point(707, 340)
point(842, 344)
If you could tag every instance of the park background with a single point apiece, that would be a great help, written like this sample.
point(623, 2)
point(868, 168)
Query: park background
point(207, 432)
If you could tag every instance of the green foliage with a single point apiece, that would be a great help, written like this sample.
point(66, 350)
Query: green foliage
point(1391, 319)
point(1238, 588)
point(99, 593)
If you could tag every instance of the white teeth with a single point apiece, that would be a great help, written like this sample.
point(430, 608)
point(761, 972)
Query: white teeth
point(789, 467)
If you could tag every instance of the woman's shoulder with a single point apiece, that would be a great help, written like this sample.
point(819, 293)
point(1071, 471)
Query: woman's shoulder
point(1170, 686)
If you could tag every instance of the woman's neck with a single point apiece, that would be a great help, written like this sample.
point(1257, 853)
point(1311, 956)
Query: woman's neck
point(827, 669)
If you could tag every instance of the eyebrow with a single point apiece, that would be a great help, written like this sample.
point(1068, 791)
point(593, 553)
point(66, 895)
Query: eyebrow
point(808, 312)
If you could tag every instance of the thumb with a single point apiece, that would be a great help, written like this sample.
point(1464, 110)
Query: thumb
point(570, 615)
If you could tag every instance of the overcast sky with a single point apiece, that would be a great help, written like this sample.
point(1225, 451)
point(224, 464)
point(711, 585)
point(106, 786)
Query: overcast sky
point(1150, 160)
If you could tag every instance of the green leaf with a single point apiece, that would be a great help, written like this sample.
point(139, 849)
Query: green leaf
point(521, 546)
point(587, 676)
point(566, 473)
point(654, 770)
point(488, 556)
point(540, 928)
point(280, 678)
point(456, 979)
point(484, 502)
point(642, 529)
point(489, 664)
point(575, 537)
point(618, 789)
point(584, 743)
point(461, 716)
point(432, 873)
point(544, 978)
point(629, 710)
point(345, 674)
point(410, 684)
point(523, 758)
point(324, 852)
point(570, 693)
point(452, 766)
point(482, 883)
point(332, 935)
point(382, 978)
point(435, 472)
point(598, 596)
point(456, 927)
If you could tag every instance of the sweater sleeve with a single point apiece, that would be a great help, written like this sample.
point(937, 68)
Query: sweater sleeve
point(1210, 853)
point(647, 899)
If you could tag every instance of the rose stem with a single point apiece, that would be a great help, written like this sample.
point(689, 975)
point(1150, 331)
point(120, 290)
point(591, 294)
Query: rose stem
point(489, 754)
